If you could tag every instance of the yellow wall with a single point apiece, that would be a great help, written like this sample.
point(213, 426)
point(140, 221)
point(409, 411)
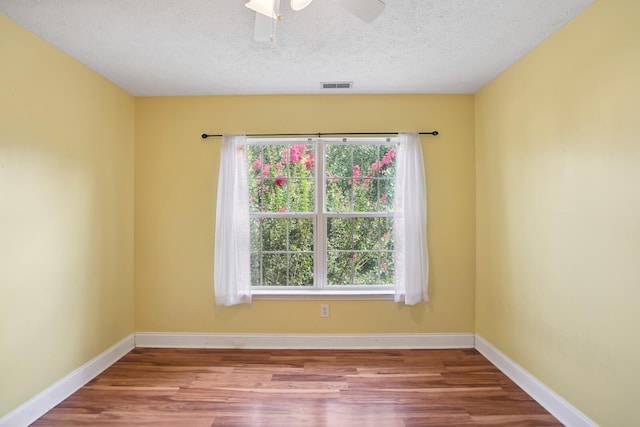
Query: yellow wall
point(66, 215)
point(558, 212)
point(176, 181)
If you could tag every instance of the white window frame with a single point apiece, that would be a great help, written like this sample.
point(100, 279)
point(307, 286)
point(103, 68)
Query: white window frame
point(320, 289)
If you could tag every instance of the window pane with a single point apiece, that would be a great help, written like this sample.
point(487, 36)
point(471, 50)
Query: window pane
point(366, 268)
point(338, 163)
point(365, 233)
point(386, 163)
point(301, 235)
point(255, 158)
point(365, 195)
point(301, 195)
point(339, 195)
point(386, 268)
point(255, 195)
point(254, 153)
point(271, 194)
point(274, 234)
point(301, 269)
point(293, 239)
point(385, 233)
point(353, 175)
point(272, 160)
point(387, 191)
point(281, 178)
point(255, 269)
point(274, 269)
point(339, 233)
point(300, 159)
point(360, 251)
point(255, 234)
point(340, 268)
point(364, 157)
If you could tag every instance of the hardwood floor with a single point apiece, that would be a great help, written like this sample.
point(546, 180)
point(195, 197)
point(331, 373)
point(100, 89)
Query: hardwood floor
point(201, 387)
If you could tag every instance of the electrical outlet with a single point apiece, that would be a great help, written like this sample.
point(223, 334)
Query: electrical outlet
point(324, 310)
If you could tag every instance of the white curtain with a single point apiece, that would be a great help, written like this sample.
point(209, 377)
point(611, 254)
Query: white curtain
point(232, 275)
point(410, 222)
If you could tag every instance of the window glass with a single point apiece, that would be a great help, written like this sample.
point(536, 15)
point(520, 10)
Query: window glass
point(281, 178)
point(348, 194)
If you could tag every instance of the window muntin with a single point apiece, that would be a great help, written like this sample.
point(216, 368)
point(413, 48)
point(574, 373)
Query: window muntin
point(348, 242)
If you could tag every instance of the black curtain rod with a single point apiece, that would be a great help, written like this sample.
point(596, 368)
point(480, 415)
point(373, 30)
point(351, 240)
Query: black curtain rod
point(319, 134)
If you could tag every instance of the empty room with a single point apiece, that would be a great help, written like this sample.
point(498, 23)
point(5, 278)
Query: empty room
point(319, 213)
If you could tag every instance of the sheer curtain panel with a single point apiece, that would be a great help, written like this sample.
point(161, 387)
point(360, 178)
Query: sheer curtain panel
point(410, 222)
point(232, 276)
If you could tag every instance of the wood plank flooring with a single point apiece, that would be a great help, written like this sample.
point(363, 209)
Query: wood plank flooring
point(203, 387)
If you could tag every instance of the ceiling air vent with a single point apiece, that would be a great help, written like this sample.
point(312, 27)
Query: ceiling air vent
point(336, 85)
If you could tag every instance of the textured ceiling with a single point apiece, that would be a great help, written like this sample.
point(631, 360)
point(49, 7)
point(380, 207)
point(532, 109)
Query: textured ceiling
point(200, 47)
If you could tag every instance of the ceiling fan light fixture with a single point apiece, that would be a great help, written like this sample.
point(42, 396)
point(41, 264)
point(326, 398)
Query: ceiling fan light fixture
point(264, 7)
point(300, 4)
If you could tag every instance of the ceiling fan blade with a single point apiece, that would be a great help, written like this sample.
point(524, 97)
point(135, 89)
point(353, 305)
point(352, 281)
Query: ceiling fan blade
point(265, 28)
point(300, 4)
point(367, 10)
point(268, 8)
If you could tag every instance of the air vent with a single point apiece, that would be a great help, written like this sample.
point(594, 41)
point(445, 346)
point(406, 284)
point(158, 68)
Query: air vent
point(336, 85)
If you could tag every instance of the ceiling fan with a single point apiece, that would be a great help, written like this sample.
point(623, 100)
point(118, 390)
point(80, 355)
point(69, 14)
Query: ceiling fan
point(268, 13)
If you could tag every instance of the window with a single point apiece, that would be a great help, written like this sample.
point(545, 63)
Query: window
point(303, 216)
point(321, 214)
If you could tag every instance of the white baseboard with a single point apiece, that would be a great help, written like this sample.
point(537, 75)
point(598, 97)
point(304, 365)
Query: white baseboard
point(304, 341)
point(552, 402)
point(40, 404)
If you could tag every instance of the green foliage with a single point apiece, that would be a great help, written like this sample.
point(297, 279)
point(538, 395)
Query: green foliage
point(359, 178)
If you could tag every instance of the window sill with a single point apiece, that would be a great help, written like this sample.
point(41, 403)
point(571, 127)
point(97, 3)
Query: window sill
point(322, 295)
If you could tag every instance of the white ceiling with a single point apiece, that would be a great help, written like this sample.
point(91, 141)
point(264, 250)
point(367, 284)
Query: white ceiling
point(206, 47)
